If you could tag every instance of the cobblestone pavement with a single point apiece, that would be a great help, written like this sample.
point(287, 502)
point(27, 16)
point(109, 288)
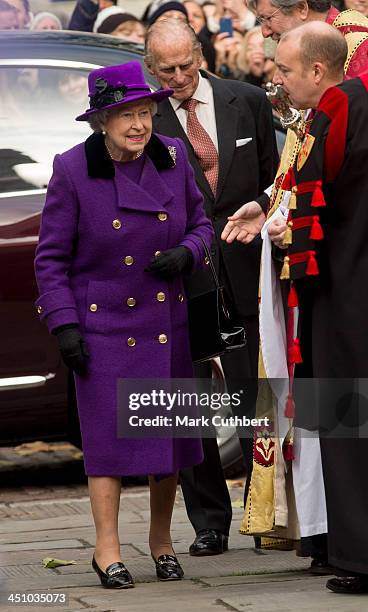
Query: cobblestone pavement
point(45, 512)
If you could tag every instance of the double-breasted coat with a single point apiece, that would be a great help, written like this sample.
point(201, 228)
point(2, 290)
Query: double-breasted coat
point(99, 232)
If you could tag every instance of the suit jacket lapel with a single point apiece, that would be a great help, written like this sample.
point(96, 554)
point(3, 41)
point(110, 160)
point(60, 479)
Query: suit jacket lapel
point(167, 123)
point(227, 116)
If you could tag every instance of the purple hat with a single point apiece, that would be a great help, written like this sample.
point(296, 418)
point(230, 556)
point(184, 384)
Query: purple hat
point(116, 85)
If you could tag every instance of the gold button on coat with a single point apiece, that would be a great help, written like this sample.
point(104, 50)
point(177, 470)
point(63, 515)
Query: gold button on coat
point(131, 302)
point(206, 260)
point(161, 297)
point(128, 260)
point(39, 309)
point(162, 338)
point(116, 224)
point(181, 297)
point(162, 216)
point(93, 307)
point(131, 341)
point(157, 253)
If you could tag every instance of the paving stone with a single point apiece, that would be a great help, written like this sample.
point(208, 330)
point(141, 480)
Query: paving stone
point(52, 580)
point(20, 571)
point(78, 520)
point(85, 533)
point(154, 597)
point(310, 596)
point(52, 544)
point(272, 576)
point(50, 509)
point(28, 557)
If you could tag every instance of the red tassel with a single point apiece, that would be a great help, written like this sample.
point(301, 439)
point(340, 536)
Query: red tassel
point(312, 267)
point(288, 452)
point(318, 199)
point(316, 230)
point(295, 354)
point(289, 407)
point(293, 298)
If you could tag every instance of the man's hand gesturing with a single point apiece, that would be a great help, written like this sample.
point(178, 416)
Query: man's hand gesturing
point(244, 224)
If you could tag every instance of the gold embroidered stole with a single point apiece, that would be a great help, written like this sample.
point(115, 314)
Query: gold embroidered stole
point(354, 39)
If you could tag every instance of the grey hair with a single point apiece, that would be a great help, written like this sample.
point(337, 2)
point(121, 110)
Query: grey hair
point(97, 120)
point(174, 27)
point(287, 6)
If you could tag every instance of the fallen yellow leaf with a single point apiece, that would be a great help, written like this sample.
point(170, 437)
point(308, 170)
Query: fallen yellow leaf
point(51, 563)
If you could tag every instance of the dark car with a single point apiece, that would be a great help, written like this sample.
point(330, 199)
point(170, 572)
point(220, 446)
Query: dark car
point(43, 86)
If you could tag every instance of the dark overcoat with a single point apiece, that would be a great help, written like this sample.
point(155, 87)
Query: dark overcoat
point(248, 162)
point(333, 306)
point(99, 232)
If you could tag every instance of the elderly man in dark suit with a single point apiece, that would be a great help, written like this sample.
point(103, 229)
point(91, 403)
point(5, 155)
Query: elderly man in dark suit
point(227, 129)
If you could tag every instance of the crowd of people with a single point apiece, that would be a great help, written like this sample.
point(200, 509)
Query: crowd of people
point(230, 34)
point(196, 164)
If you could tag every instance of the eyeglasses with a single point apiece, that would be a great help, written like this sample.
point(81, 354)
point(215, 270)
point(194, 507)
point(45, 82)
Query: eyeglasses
point(267, 20)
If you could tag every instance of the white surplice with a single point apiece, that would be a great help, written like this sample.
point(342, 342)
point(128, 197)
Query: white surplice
point(307, 467)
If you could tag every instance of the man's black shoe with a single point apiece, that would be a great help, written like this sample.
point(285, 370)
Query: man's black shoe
point(352, 585)
point(209, 542)
point(321, 568)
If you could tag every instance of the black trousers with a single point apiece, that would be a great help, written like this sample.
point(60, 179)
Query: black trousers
point(204, 488)
point(344, 450)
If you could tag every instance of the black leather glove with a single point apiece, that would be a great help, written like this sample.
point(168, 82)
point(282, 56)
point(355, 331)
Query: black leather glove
point(72, 347)
point(172, 262)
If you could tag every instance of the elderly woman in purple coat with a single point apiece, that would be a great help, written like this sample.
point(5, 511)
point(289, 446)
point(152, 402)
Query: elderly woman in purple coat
point(123, 221)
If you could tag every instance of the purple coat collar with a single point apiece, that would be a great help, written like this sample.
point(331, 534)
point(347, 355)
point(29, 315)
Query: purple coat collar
point(99, 163)
point(150, 194)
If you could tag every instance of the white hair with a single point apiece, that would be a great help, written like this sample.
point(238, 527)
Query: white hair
point(40, 16)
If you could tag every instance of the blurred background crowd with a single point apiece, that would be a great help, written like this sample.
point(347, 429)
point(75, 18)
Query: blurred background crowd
point(231, 38)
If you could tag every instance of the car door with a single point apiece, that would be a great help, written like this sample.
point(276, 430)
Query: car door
point(39, 100)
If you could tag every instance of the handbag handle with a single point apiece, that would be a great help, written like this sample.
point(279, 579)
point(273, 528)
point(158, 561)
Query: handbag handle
point(211, 264)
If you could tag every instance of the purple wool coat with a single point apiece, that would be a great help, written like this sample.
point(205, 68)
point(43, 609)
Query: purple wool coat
point(99, 232)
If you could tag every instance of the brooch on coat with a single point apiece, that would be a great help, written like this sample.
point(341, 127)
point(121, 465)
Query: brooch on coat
point(172, 151)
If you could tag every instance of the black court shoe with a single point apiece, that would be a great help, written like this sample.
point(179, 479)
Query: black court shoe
point(168, 568)
point(116, 576)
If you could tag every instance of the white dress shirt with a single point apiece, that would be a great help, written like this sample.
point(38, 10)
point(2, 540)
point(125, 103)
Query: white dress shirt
point(205, 109)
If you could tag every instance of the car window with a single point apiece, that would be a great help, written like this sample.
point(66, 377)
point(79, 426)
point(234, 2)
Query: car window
point(38, 106)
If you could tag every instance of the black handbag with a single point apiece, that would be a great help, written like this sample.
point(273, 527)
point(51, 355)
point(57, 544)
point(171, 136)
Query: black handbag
point(212, 331)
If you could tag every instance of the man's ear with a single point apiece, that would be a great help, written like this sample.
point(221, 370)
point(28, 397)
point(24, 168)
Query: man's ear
point(199, 58)
point(320, 71)
point(303, 10)
point(148, 65)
